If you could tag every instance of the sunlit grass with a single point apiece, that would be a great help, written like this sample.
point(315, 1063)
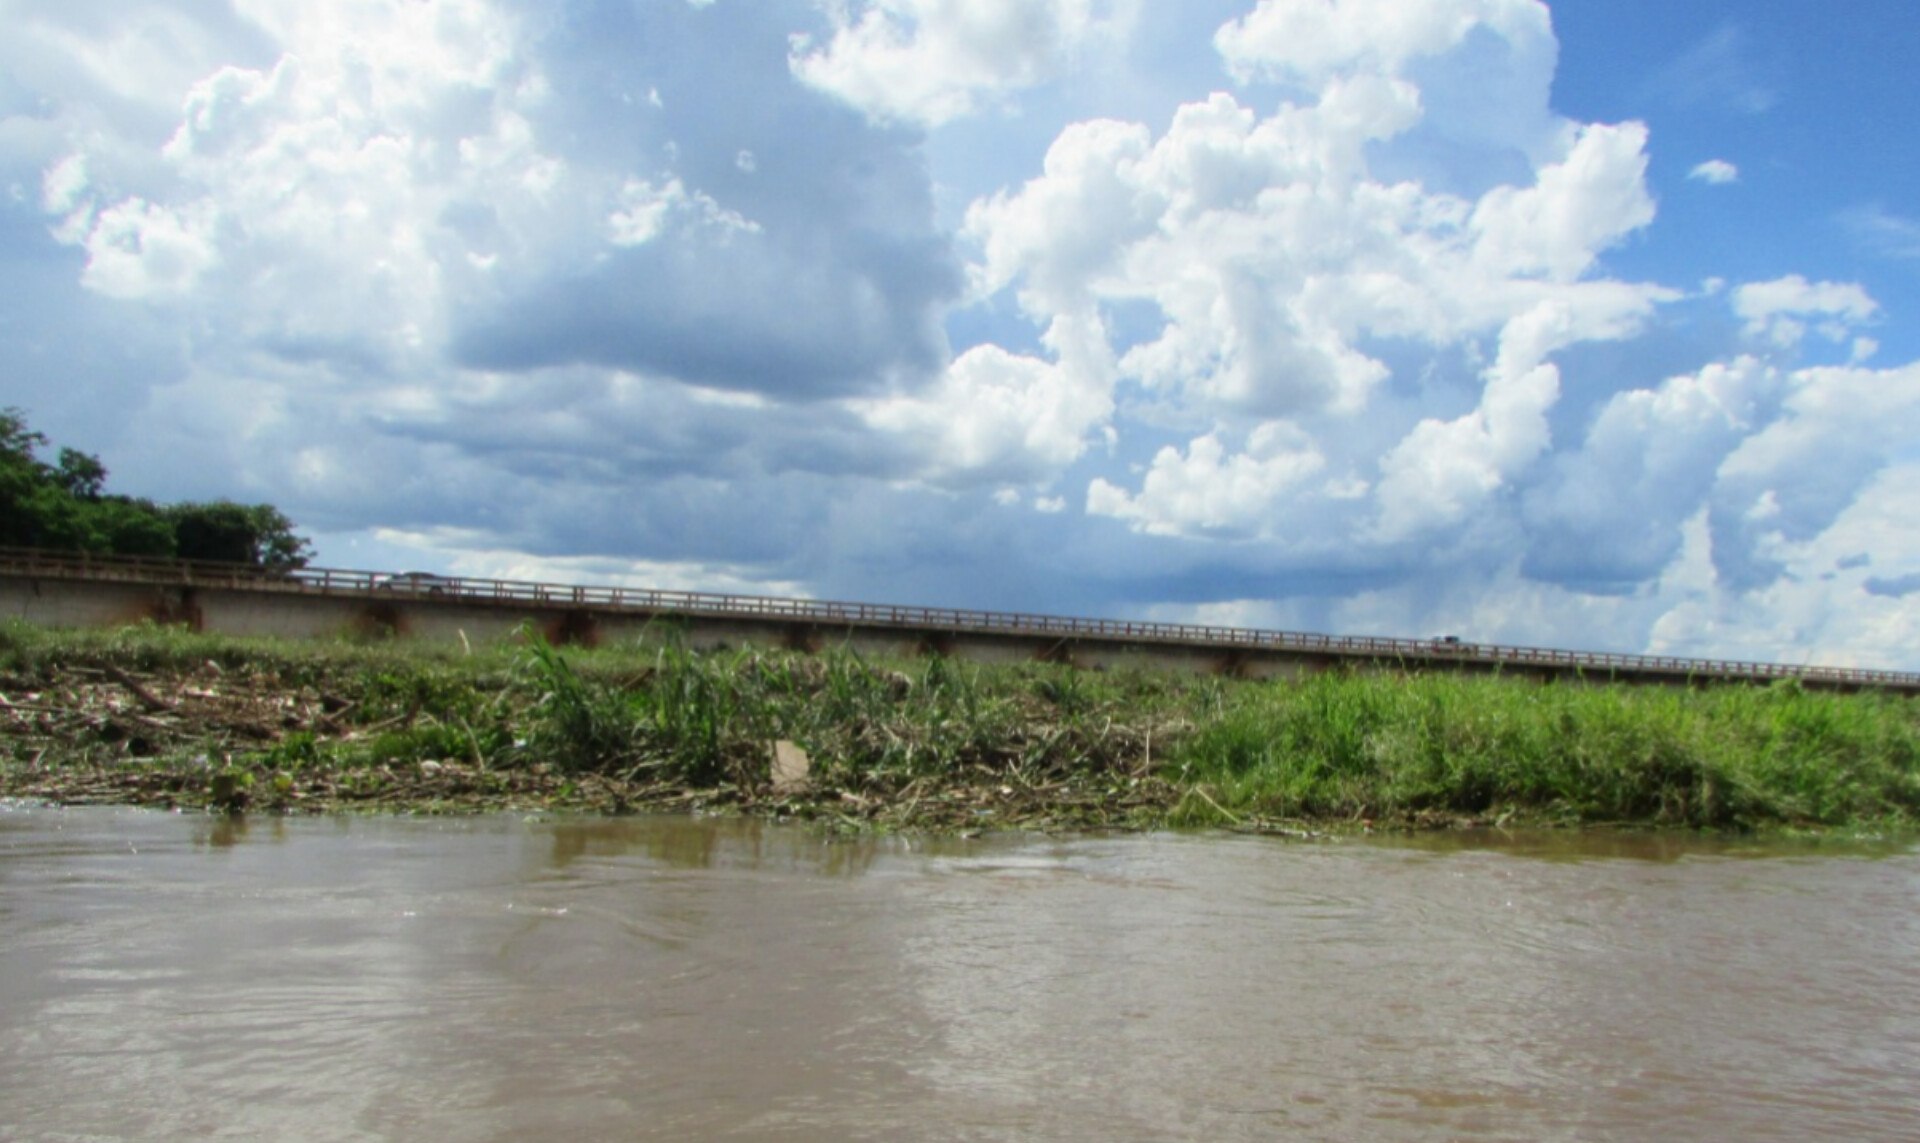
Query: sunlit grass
point(1377, 746)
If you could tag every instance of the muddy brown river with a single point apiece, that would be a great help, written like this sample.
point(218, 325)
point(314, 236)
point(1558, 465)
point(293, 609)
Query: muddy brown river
point(169, 977)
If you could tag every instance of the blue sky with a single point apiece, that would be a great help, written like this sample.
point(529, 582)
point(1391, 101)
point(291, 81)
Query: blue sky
point(1589, 325)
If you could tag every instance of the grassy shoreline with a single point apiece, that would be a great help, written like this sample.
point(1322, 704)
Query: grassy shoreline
point(160, 717)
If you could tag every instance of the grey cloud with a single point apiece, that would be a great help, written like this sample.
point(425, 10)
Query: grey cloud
point(825, 319)
point(1810, 487)
point(1605, 531)
point(840, 289)
point(543, 485)
point(169, 45)
point(346, 355)
point(915, 546)
point(1600, 564)
point(1899, 587)
point(1607, 516)
point(769, 525)
point(79, 364)
point(575, 422)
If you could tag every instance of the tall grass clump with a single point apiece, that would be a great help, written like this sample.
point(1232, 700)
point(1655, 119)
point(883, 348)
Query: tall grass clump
point(677, 716)
point(1398, 747)
point(710, 719)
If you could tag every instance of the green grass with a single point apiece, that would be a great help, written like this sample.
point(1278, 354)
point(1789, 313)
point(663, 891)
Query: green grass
point(1387, 747)
point(706, 719)
point(937, 736)
point(25, 648)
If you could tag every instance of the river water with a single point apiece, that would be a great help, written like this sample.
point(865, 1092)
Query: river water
point(168, 977)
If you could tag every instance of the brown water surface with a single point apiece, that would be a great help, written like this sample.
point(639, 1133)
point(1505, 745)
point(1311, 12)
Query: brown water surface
point(176, 977)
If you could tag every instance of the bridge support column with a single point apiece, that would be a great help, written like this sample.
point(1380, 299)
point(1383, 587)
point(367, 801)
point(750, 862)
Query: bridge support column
point(178, 607)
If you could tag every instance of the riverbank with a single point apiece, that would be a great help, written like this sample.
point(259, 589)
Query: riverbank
point(163, 718)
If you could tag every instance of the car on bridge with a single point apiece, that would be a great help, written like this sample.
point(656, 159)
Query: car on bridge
point(416, 583)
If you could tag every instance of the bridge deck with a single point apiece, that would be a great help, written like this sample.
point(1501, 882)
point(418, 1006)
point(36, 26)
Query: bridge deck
point(429, 591)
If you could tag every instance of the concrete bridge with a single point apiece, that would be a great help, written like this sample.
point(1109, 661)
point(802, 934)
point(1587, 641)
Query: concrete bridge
point(58, 589)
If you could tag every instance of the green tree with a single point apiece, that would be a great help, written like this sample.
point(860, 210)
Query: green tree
point(66, 507)
point(226, 532)
point(129, 527)
point(22, 478)
point(80, 474)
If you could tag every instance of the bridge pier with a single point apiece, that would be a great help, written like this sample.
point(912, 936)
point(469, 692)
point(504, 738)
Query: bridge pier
point(574, 628)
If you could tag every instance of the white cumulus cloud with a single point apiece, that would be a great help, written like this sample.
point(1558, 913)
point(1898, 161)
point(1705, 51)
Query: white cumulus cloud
point(1780, 311)
point(1209, 490)
point(1717, 172)
point(1443, 470)
point(1000, 418)
point(1275, 261)
point(1311, 41)
point(139, 251)
point(931, 61)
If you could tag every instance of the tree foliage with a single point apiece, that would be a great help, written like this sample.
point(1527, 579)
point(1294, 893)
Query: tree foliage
point(65, 506)
point(236, 533)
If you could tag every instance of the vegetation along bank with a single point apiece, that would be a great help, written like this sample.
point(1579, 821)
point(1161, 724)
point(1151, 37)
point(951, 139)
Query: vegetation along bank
point(161, 717)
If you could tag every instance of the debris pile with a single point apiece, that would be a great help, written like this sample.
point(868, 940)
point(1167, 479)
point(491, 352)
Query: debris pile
point(279, 737)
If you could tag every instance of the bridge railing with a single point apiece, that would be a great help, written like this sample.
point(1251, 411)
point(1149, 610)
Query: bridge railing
point(449, 589)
